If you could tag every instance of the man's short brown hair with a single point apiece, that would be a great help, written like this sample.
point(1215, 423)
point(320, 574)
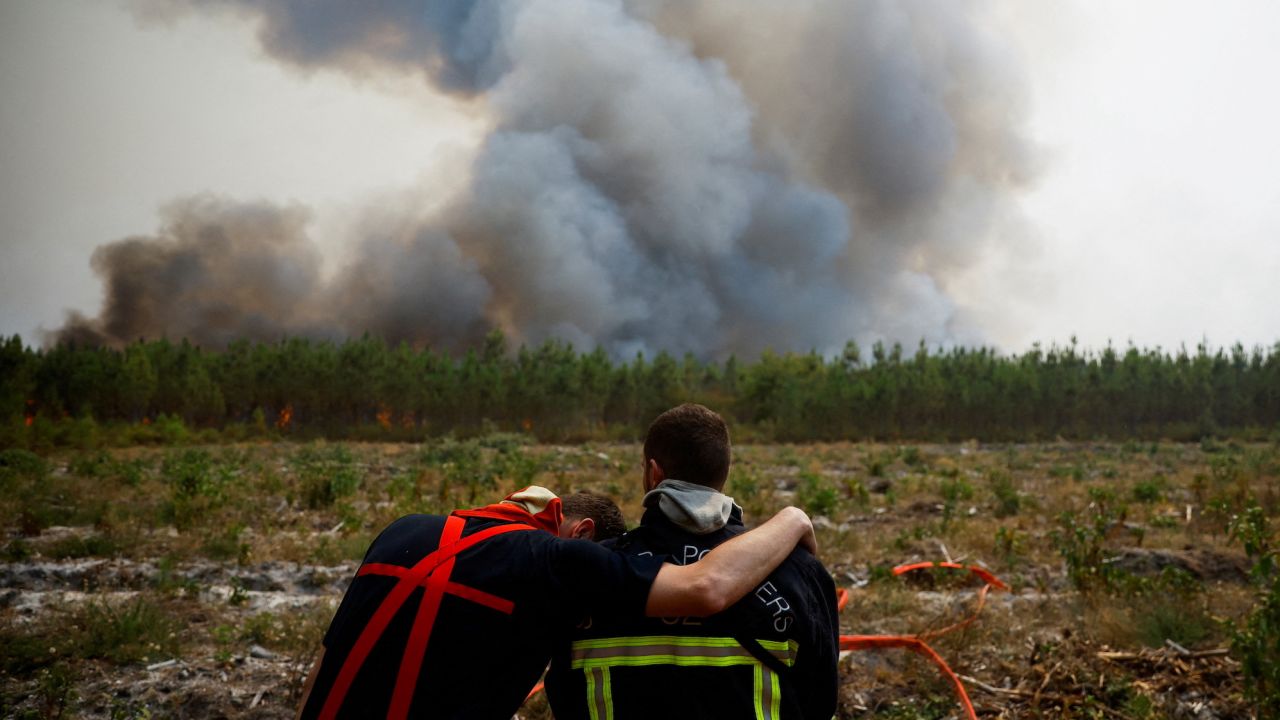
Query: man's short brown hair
point(690, 443)
point(608, 518)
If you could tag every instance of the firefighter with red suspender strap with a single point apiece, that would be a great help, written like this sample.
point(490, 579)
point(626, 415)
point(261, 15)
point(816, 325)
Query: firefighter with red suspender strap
point(455, 617)
point(432, 572)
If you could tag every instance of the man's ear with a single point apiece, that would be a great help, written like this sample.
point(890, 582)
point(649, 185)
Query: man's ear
point(653, 475)
point(584, 529)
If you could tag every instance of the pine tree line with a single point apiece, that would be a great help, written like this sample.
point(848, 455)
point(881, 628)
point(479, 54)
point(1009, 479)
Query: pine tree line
point(365, 388)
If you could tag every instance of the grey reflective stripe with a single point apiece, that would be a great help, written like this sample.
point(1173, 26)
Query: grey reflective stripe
point(599, 701)
point(764, 684)
point(675, 649)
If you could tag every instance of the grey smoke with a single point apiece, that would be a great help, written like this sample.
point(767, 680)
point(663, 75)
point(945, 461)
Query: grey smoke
point(709, 176)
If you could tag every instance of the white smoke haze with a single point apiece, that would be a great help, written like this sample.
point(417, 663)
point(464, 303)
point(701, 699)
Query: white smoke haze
point(709, 176)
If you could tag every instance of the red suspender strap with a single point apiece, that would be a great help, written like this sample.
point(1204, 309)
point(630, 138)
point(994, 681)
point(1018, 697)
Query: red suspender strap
point(478, 597)
point(416, 647)
point(442, 559)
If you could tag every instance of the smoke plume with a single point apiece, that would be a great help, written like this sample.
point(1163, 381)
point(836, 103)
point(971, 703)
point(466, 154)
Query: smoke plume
point(706, 176)
point(216, 271)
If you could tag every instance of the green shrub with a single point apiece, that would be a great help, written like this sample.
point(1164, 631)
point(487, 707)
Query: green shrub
point(1149, 491)
point(167, 580)
point(1161, 616)
point(16, 550)
point(911, 456)
point(857, 492)
point(1009, 545)
point(326, 473)
point(475, 466)
point(130, 472)
point(876, 463)
point(189, 473)
point(82, 433)
point(1256, 642)
point(18, 463)
point(171, 430)
point(1082, 546)
point(744, 486)
point(56, 689)
point(74, 547)
point(1008, 502)
point(196, 484)
point(1075, 472)
point(954, 490)
point(92, 464)
point(816, 496)
point(513, 463)
point(133, 632)
point(225, 545)
point(14, 432)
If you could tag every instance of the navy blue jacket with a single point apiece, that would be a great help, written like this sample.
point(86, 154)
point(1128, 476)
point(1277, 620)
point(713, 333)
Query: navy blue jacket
point(771, 655)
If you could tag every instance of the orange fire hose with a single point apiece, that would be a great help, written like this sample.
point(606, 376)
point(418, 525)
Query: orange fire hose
point(916, 643)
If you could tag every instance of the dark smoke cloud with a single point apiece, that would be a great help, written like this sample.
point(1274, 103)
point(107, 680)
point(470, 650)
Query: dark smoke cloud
point(710, 176)
point(216, 271)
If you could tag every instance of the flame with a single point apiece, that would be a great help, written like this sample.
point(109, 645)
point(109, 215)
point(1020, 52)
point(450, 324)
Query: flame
point(30, 420)
point(285, 416)
point(31, 413)
point(527, 424)
point(384, 417)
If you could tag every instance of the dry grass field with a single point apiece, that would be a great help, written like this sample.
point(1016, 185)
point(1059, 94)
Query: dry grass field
point(197, 581)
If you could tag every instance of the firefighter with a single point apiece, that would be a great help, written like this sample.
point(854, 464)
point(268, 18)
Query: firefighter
point(455, 617)
point(771, 655)
point(589, 516)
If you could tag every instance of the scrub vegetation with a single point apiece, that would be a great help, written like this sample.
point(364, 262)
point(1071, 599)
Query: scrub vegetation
point(195, 579)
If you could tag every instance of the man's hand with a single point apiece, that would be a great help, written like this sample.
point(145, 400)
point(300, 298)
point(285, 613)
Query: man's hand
point(808, 541)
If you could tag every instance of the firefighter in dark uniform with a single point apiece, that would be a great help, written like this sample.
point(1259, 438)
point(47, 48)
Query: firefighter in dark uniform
point(455, 617)
point(771, 655)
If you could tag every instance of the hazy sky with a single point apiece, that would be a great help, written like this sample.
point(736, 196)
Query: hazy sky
point(1157, 208)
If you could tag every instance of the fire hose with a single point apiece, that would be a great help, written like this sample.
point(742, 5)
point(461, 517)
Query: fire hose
point(917, 643)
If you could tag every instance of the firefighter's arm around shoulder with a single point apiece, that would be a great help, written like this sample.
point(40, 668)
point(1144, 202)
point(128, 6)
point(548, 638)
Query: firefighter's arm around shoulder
point(731, 570)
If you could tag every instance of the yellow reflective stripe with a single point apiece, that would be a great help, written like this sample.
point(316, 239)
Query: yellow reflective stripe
point(775, 695)
point(608, 693)
point(789, 649)
point(592, 704)
point(596, 656)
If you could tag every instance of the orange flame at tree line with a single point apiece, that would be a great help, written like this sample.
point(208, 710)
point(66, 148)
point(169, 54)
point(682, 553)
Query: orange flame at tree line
point(384, 417)
point(285, 417)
